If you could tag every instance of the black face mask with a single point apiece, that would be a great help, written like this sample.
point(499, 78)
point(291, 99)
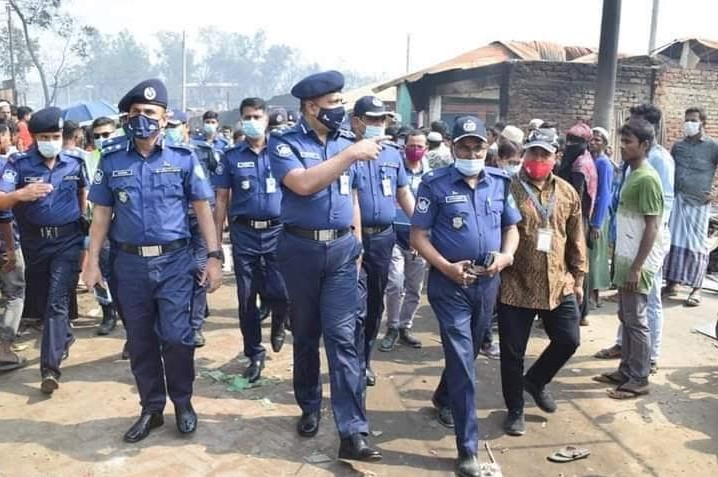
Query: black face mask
point(573, 151)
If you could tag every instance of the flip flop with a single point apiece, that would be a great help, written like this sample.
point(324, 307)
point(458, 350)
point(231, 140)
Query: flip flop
point(609, 378)
point(20, 347)
point(614, 352)
point(693, 301)
point(569, 454)
point(623, 392)
point(20, 362)
point(668, 293)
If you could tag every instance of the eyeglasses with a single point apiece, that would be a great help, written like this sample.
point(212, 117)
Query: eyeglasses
point(103, 135)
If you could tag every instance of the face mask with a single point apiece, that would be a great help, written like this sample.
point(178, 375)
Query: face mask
point(691, 128)
point(49, 149)
point(142, 127)
point(373, 131)
point(513, 169)
point(173, 135)
point(210, 128)
point(469, 167)
point(414, 154)
point(253, 128)
point(332, 118)
point(538, 170)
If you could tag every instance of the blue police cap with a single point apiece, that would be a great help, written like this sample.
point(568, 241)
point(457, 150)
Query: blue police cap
point(48, 120)
point(277, 117)
point(177, 116)
point(151, 91)
point(318, 84)
point(370, 106)
point(468, 126)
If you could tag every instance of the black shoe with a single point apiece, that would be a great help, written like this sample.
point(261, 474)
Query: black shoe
point(49, 383)
point(254, 371)
point(264, 311)
point(514, 424)
point(409, 339)
point(308, 424)
point(444, 414)
point(125, 351)
point(542, 397)
point(467, 465)
point(198, 338)
point(143, 426)
point(109, 321)
point(277, 335)
point(389, 341)
point(66, 354)
point(357, 448)
point(186, 419)
point(370, 377)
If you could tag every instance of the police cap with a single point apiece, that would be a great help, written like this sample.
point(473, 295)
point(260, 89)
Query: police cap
point(177, 117)
point(48, 120)
point(318, 84)
point(151, 91)
point(466, 126)
point(370, 106)
point(277, 117)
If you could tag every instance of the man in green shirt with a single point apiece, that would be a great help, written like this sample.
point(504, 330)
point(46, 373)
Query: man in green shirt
point(637, 257)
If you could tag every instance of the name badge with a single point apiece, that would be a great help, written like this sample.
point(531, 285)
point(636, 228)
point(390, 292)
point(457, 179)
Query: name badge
point(30, 180)
point(309, 155)
point(386, 187)
point(344, 184)
point(168, 169)
point(122, 173)
point(271, 184)
point(456, 199)
point(543, 242)
point(71, 178)
point(244, 165)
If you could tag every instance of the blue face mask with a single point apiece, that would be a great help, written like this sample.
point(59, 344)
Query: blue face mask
point(142, 127)
point(210, 128)
point(469, 167)
point(173, 135)
point(513, 169)
point(332, 118)
point(373, 131)
point(253, 128)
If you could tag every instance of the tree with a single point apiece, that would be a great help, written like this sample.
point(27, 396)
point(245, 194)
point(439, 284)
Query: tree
point(57, 67)
point(169, 64)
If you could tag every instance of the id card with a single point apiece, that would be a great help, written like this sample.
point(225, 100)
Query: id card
point(344, 184)
point(271, 185)
point(386, 187)
point(543, 243)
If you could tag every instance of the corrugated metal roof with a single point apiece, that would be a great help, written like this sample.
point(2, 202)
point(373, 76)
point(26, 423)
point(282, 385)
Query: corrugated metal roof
point(497, 52)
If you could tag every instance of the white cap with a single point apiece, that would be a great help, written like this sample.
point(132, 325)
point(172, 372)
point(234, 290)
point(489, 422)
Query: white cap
point(602, 132)
point(434, 136)
point(513, 134)
point(535, 123)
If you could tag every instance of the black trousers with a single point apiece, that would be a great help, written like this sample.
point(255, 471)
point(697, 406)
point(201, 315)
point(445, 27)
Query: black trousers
point(562, 328)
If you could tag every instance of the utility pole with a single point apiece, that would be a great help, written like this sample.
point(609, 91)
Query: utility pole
point(607, 65)
point(654, 28)
point(408, 51)
point(184, 70)
point(12, 54)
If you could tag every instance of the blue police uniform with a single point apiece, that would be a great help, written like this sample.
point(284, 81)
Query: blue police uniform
point(219, 143)
point(153, 266)
point(254, 214)
point(378, 182)
point(465, 224)
point(52, 236)
point(317, 255)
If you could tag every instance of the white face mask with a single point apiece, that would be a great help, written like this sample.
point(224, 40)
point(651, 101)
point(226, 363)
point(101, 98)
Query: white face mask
point(49, 149)
point(691, 128)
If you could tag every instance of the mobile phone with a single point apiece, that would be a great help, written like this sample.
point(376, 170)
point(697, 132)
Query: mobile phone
point(102, 294)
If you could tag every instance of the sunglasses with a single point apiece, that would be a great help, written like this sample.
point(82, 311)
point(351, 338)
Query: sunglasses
point(103, 135)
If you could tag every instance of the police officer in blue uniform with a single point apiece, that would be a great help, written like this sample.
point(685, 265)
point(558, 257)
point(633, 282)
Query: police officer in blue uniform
point(318, 252)
point(247, 176)
point(210, 132)
point(464, 226)
point(141, 195)
point(382, 184)
point(46, 190)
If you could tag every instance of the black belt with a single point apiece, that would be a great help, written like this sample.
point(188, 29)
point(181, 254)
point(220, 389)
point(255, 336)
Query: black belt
point(323, 235)
point(52, 231)
point(374, 229)
point(256, 224)
point(153, 250)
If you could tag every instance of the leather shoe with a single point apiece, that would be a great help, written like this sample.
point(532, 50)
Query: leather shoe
point(370, 377)
point(389, 341)
point(125, 351)
point(66, 354)
point(357, 448)
point(468, 466)
point(277, 334)
point(143, 426)
point(444, 414)
point(109, 321)
point(515, 424)
point(542, 397)
point(49, 383)
point(254, 371)
point(308, 424)
point(198, 338)
point(186, 419)
point(408, 339)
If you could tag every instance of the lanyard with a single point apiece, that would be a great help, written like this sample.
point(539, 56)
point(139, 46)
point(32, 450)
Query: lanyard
point(544, 211)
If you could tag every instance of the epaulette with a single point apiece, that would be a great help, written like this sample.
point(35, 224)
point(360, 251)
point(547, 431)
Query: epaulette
point(17, 156)
point(392, 144)
point(236, 147)
point(497, 172)
point(345, 133)
point(434, 174)
point(75, 154)
point(281, 132)
point(114, 144)
point(179, 147)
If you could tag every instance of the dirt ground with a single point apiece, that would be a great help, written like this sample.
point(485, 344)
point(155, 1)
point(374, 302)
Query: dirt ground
point(671, 432)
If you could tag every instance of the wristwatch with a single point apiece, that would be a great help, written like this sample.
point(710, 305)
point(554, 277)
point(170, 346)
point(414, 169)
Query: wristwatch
point(218, 254)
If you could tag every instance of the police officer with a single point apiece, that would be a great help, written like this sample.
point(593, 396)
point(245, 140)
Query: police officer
point(141, 194)
point(382, 183)
point(464, 226)
point(246, 175)
point(277, 119)
point(45, 187)
point(210, 132)
point(209, 157)
point(318, 252)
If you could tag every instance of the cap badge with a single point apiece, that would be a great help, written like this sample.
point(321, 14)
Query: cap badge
point(377, 102)
point(150, 93)
point(469, 126)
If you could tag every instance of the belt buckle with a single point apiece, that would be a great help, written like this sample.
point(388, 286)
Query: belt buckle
point(150, 251)
point(325, 235)
point(260, 224)
point(48, 232)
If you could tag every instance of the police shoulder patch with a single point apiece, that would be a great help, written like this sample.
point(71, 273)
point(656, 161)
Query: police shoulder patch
point(422, 205)
point(9, 176)
point(283, 150)
point(98, 176)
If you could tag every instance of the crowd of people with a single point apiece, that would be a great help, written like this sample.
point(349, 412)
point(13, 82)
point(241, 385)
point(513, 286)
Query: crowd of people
point(333, 221)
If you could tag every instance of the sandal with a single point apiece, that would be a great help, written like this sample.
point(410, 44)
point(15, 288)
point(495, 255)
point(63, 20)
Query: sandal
point(569, 454)
point(614, 352)
point(668, 292)
point(693, 300)
point(615, 377)
point(19, 362)
point(627, 391)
